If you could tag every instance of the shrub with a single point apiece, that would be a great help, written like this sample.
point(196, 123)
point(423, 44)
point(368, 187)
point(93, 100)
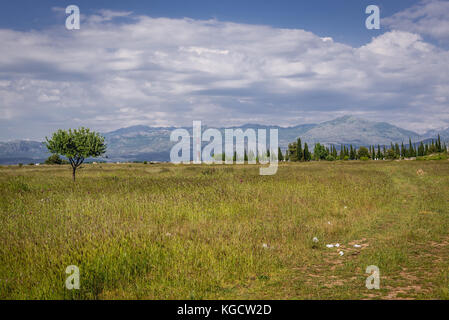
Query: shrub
point(364, 158)
point(330, 158)
point(391, 155)
point(346, 158)
point(363, 153)
point(53, 159)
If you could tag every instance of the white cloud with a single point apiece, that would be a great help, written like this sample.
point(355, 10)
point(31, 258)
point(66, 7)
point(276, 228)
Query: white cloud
point(429, 18)
point(160, 71)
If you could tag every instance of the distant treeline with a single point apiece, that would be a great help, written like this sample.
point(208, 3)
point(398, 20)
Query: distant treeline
point(296, 151)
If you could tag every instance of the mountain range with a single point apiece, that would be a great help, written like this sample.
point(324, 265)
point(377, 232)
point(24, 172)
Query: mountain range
point(139, 143)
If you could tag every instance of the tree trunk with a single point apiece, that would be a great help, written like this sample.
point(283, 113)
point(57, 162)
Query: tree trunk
point(73, 173)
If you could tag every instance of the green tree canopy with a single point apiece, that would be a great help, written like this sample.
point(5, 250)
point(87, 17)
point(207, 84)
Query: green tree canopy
point(320, 152)
point(55, 159)
point(363, 152)
point(76, 145)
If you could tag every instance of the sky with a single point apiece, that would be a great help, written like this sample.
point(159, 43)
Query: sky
point(226, 63)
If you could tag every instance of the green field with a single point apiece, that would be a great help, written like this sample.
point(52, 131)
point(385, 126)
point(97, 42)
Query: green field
point(162, 231)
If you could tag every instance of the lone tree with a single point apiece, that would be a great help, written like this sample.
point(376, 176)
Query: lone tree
point(76, 145)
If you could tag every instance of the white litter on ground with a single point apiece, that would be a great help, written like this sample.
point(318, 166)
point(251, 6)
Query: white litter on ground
point(315, 239)
point(357, 246)
point(264, 245)
point(341, 253)
point(337, 245)
point(329, 245)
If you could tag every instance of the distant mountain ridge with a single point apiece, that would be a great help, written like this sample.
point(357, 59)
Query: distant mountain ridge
point(356, 131)
point(139, 143)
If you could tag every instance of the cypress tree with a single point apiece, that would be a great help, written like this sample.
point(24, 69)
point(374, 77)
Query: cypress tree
point(411, 151)
point(421, 149)
point(351, 153)
point(307, 155)
point(280, 156)
point(299, 152)
point(292, 154)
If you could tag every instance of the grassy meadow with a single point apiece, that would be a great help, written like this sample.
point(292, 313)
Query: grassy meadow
point(160, 231)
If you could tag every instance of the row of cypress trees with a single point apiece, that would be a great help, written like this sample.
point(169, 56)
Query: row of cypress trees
point(295, 152)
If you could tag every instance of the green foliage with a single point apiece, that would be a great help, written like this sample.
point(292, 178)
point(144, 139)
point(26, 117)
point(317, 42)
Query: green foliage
point(440, 156)
point(320, 152)
point(307, 155)
point(299, 151)
point(76, 145)
point(292, 152)
point(391, 154)
point(280, 156)
point(352, 153)
point(363, 153)
point(364, 158)
point(55, 159)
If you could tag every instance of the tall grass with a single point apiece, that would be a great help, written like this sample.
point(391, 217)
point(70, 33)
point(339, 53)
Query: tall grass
point(198, 232)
